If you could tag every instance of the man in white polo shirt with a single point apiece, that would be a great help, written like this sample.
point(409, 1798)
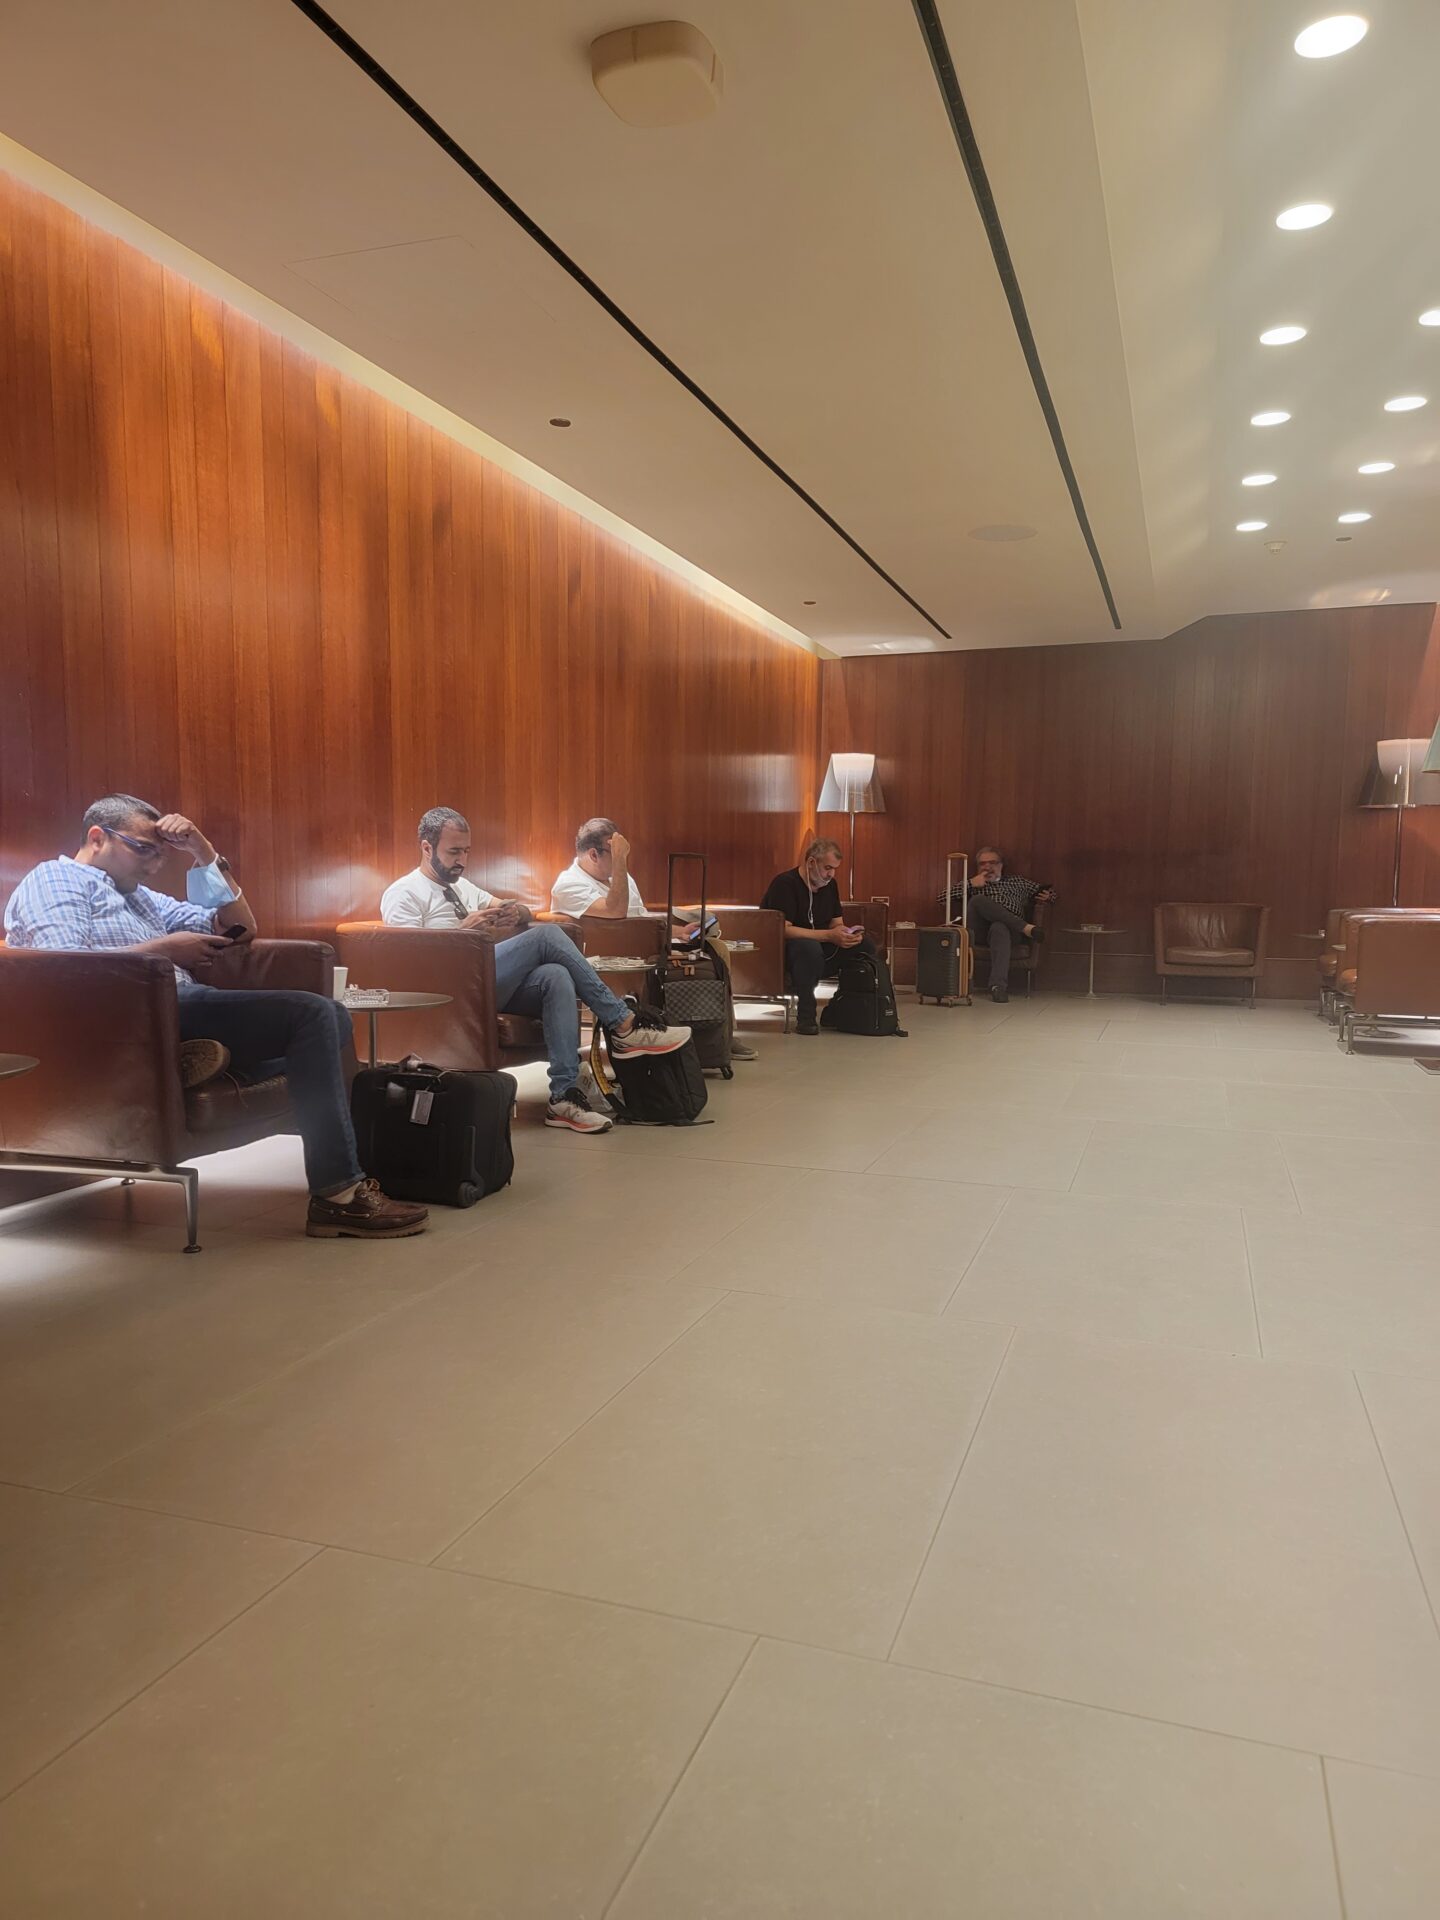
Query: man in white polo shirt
point(538, 969)
point(598, 885)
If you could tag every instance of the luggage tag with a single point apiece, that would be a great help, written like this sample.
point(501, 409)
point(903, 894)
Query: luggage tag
point(420, 1106)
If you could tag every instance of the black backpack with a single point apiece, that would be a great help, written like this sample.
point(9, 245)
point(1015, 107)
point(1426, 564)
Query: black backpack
point(428, 1134)
point(864, 1000)
point(652, 1089)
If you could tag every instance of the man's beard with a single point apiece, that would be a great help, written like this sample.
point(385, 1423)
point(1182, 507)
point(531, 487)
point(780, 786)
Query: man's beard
point(447, 876)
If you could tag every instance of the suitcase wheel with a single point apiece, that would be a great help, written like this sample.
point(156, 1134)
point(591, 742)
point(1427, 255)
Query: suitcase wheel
point(467, 1194)
point(727, 1073)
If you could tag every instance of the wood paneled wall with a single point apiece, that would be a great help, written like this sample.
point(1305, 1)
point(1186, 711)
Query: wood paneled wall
point(244, 586)
point(1222, 763)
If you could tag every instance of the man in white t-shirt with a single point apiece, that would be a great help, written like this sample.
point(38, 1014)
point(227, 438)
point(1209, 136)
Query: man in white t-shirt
point(598, 885)
point(538, 969)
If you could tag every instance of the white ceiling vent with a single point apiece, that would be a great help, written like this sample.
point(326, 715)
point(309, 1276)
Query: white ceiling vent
point(662, 75)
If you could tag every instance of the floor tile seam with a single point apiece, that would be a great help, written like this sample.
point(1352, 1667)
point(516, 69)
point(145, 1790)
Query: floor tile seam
point(594, 1414)
point(1432, 1601)
point(950, 1297)
point(1318, 1754)
point(1080, 1157)
point(678, 1781)
point(1334, 1839)
point(156, 1678)
point(266, 1380)
point(186, 1519)
point(1289, 1170)
point(1250, 1276)
point(946, 1503)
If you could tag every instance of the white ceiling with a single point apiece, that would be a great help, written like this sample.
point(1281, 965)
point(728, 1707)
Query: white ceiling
point(812, 256)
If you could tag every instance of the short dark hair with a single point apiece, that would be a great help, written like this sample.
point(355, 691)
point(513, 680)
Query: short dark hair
point(434, 823)
point(115, 809)
point(592, 836)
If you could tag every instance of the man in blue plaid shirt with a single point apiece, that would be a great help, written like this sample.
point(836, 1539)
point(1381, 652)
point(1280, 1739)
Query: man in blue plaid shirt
point(95, 903)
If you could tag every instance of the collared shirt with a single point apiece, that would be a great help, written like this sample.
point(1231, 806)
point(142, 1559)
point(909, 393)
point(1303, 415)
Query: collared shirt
point(418, 899)
point(66, 906)
point(575, 890)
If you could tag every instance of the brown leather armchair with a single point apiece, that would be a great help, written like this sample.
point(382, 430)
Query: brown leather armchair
point(1210, 940)
point(106, 1098)
point(1389, 972)
point(758, 974)
point(873, 916)
point(1330, 957)
point(470, 1032)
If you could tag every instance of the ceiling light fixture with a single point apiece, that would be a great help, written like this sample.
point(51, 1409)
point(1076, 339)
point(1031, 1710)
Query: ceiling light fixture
point(1337, 33)
point(1377, 466)
point(1251, 526)
point(1431, 317)
point(1310, 213)
point(1275, 418)
point(1281, 336)
point(1351, 519)
point(1407, 403)
point(559, 420)
point(1258, 480)
point(807, 603)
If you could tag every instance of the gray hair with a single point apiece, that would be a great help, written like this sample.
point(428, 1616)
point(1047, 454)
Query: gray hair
point(115, 809)
point(592, 836)
point(985, 847)
point(434, 823)
point(816, 847)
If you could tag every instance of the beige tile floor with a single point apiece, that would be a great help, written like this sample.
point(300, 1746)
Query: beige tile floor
point(992, 1473)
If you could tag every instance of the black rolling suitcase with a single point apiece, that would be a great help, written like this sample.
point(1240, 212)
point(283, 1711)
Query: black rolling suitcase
point(693, 984)
point(864, 998)
point(428, 1134)
point(939, 952)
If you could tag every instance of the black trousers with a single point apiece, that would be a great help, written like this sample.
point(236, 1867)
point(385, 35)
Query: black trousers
point(808, 962)
point(992, 926)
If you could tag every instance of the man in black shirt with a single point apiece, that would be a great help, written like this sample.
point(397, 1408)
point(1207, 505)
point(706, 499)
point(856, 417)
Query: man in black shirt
point(817, 940)
point(999, 907)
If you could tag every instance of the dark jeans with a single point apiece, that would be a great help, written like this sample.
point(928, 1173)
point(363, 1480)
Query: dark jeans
point(992, 925)
point(305, 1035)
point(808, 962)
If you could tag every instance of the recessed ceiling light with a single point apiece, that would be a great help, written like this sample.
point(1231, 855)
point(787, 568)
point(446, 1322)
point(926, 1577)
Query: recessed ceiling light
point(1003, 531)
point(1258, 480)
point(1407, 403)
point(1311, 213)
point(559, 420)
point(1251, 526)
point(807, 603)
point(1275, 418)
point(1351, 519)
point(1377, 466)
point(1281, 336)
point(1431, 317)
point(1335, 34)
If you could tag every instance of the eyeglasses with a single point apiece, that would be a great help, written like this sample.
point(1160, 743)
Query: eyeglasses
point(142, 849)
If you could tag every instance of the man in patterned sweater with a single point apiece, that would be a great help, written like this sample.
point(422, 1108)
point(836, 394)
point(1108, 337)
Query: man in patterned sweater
point(998, 908)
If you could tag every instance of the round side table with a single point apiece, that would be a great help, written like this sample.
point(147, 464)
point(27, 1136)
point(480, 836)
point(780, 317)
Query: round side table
point(13, 1063)
point(398, 1003)
point(1093, 933)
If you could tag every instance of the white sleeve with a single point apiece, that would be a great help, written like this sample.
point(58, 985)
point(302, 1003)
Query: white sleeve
point(572, 893)
point(400, 905)
point(482, 898)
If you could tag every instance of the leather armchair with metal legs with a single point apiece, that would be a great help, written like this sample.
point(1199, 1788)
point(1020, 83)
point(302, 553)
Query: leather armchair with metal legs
point(1210, 940)
point(1389, 975)
point(106, 1099)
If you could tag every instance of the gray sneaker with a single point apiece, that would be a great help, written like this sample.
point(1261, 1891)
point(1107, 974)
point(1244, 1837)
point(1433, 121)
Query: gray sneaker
point(572, 1111)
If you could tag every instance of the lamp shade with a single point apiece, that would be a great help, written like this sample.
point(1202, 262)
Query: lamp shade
point(852, 785)
point(1403, 774)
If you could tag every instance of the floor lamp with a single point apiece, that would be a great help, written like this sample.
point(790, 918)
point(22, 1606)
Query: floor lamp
point(851, 786)
point(1403, 774)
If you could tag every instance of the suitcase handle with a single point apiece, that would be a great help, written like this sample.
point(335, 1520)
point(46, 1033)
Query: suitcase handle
point(670, 896)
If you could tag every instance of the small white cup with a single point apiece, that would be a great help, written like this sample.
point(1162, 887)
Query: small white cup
point(342, 975)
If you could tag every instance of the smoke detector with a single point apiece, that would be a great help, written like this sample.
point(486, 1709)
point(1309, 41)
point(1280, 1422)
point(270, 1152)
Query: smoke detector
point(1273, 546)
point(665, 74)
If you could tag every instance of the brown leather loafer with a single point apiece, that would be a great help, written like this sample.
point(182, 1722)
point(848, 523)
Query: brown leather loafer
point(368, 1214)
point(202, 1061)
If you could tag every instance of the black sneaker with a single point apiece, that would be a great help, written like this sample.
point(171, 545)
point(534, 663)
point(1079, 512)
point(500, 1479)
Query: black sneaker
point(807, 1024)
point(1000, 995)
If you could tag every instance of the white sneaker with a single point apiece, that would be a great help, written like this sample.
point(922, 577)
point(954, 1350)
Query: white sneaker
point(646, 1037)
point(571, 1111)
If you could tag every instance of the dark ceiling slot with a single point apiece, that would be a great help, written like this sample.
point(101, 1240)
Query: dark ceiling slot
point(431, 127)
point(938, 48)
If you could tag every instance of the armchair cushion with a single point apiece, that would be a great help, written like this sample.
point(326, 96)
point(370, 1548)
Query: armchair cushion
point(1210, 956)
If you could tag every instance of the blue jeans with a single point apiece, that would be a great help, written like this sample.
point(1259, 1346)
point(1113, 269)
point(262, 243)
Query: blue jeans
point(542, 974)
point(309, 1035)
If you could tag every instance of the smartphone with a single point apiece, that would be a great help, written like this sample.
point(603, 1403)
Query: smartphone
point(235, 931)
